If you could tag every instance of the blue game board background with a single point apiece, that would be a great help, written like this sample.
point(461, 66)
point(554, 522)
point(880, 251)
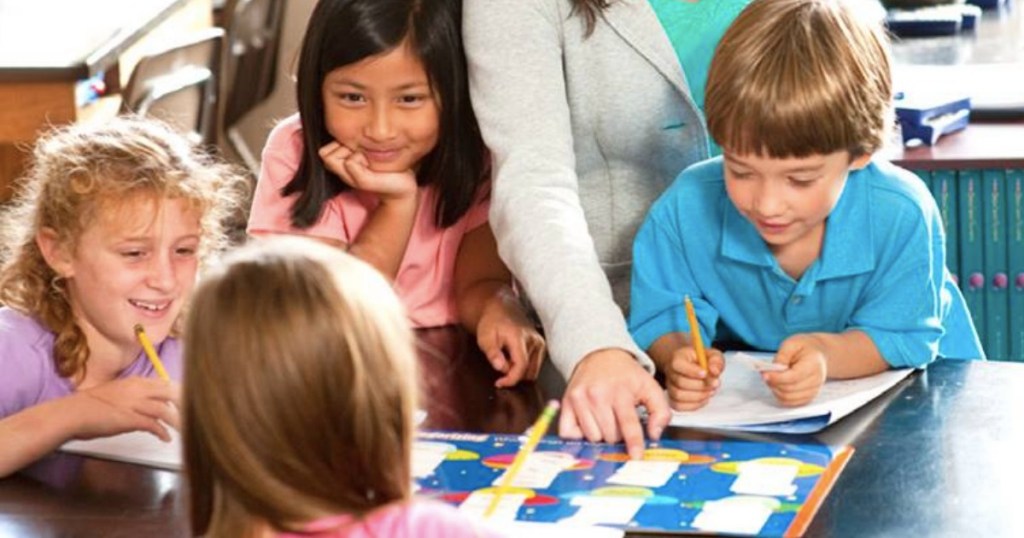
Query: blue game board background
point(671, 508)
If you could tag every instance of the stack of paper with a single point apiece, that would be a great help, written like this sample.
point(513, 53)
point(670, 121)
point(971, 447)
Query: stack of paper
point(744, 402)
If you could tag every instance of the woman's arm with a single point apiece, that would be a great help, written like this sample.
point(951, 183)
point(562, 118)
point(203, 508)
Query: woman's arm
point(517, 84)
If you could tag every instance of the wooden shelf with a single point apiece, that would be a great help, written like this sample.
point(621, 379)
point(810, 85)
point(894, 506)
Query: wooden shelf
point(980, 145)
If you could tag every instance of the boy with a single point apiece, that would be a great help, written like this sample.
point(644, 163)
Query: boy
point(795, 240)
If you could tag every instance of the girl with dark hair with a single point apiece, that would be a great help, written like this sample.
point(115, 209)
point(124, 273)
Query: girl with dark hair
point(385, 159)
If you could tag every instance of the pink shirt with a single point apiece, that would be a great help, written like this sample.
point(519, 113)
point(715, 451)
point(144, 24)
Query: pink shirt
point(424, 279)
point(420, 519)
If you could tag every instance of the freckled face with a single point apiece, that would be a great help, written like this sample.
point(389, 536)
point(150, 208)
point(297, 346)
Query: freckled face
point(384, 108)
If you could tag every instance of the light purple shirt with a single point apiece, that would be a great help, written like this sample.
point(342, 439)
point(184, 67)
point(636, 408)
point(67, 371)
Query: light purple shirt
point(27, 373)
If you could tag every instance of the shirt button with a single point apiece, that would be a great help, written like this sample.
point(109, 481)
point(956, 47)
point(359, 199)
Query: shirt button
point(797, 299)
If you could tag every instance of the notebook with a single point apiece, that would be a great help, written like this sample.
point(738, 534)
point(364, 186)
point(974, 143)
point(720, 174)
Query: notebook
point(142, 448)
point(744, 402)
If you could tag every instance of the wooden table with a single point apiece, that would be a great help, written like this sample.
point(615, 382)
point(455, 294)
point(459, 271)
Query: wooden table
point(48, 46)
point(939, 455)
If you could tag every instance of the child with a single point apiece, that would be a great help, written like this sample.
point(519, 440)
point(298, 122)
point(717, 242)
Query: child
point(385, 160)
point(299, 400)
point(797, 240)
point(107, 232)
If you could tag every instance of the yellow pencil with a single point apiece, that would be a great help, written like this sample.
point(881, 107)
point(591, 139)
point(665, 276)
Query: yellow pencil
point(538, 431)
point(695, 338)
point(140, 333)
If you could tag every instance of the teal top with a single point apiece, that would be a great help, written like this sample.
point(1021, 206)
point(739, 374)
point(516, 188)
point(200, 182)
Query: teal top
point(694, 28)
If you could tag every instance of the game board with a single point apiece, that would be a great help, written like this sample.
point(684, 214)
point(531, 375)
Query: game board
point(729, 486)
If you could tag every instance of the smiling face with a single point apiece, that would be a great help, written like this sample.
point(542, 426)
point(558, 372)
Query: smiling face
point(135, 263)
point(384, 108)
point(788, 199)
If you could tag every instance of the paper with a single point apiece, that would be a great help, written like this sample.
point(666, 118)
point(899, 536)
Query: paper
point(773, 479)
point(539, 470)
point(611, 510)
point(142, 448)
point(507, 509)
point(427, 455)
point(742, 514)
point(651, 474)
point(757, 363)
point(744, 401)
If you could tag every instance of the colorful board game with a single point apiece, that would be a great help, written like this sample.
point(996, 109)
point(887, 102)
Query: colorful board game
point(728, 486)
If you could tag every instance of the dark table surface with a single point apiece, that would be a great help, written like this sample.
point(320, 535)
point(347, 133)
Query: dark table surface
point(939, 455)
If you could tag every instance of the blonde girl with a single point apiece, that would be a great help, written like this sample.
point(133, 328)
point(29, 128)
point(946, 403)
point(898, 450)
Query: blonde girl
point(300, 388)
point(107, 231)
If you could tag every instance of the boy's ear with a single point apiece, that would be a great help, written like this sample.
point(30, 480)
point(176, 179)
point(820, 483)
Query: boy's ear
point(860, 162)
point(54, 251)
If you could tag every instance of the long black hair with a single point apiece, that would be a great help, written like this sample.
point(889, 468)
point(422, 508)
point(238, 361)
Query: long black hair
point(343, 32)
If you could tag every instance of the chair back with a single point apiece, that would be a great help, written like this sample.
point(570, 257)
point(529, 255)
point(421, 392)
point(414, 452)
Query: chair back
point(181, 85)
point(253, 35)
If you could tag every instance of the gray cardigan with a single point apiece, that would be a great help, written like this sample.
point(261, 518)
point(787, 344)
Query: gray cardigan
point(585, 132)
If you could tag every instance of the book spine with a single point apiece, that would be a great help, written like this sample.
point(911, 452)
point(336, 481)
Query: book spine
point(997, 301)
point(926, 177)
point(972, 249)
point(944, 189)
point(1015, 250)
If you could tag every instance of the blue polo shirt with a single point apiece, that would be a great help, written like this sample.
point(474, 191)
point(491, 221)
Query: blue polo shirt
point(881, 271)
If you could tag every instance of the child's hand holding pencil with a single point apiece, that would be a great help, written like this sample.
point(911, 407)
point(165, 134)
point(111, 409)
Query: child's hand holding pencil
point(689, 386)
point(693, 372)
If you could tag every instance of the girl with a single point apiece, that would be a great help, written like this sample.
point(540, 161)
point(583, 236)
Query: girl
point(299, 400)
point(106, 233)
point(385, 160)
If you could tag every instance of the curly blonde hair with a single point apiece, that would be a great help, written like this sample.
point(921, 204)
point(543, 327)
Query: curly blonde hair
point(77, 175)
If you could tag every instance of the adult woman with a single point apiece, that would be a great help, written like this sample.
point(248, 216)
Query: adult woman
point(589, 115)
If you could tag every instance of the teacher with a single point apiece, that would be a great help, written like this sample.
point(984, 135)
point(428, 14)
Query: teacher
point(590, 109)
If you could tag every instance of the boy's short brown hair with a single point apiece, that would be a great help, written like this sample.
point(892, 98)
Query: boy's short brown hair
point(792, 78)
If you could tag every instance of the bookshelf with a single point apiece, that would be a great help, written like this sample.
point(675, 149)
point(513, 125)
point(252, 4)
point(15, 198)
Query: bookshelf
point(977, 178)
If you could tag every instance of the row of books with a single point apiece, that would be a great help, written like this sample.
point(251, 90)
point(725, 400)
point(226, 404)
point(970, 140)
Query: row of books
point(983, 211)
